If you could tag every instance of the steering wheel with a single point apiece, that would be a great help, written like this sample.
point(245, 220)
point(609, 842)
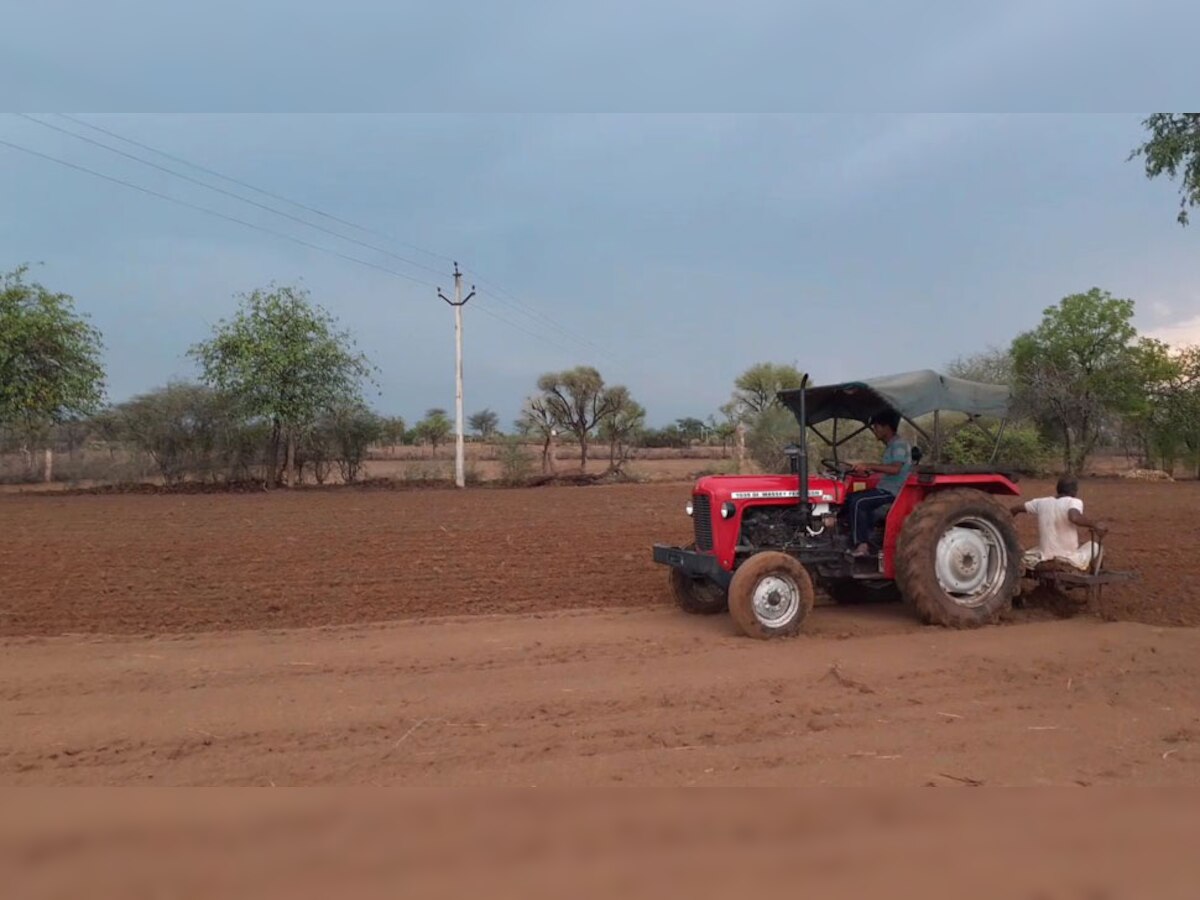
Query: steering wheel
point(841, 468)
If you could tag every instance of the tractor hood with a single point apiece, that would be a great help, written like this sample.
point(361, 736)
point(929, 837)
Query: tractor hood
point(779, 489)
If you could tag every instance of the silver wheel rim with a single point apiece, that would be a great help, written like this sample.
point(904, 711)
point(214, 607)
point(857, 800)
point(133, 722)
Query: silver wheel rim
point(971, 562)
point(776, 600)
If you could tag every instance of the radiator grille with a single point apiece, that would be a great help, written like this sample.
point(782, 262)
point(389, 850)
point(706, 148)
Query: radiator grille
point(702, 518)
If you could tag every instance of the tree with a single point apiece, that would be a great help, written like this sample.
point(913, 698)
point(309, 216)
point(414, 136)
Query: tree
point(770, 433)
point(1173, 147)
point(1169, 424)
point(990, 366)
point(725, 430)
point(621, 427)
point(353, 429)
point(1081, 365)
point(537, 420)
point(757, 388)
point(578, 401)
point(484, 423)
point(670, 436)
point(178, 426)
point(691, 429)
point(434, 428)
point(392, 430)
point(283, 359)
point(50, 367)
point(1020, 448)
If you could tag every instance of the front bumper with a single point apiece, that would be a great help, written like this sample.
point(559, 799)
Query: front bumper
point(697, 565)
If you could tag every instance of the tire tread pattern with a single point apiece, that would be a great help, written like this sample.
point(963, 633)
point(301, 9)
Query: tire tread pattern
point(746, 578)
point(917, 547)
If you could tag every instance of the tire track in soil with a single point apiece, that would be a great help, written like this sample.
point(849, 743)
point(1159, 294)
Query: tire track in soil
point(597, 702)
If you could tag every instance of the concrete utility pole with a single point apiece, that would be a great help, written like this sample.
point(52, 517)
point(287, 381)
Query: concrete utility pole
point(458, 303)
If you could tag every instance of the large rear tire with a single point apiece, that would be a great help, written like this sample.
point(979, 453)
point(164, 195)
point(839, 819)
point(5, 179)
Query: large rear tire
point(958, 559)
point(770, 596)
point(697, 596)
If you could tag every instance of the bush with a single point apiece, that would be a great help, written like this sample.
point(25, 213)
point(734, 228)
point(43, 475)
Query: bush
point(670, 436)
point(1021, 448)
point(341, 438)
point(770, 431)
point(516, 466)
point(178, 426)
point(241, 450)
point(353, 430)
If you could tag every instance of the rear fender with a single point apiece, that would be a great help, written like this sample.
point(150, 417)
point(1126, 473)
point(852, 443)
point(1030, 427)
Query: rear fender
point(914, 492)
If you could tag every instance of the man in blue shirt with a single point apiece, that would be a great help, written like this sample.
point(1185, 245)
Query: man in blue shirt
point(896, 465)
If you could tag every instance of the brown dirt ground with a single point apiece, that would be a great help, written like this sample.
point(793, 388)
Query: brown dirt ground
point(540, 648)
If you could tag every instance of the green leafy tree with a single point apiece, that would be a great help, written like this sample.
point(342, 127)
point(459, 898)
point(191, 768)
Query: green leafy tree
point(1021, 448)
point(435, 428)
point(1168, 427)
point(1173, 149)
point(50, 369)
point(577, 401)
point(484, 423)
point(283, 359)
point(1081, 366)
point(757, 388)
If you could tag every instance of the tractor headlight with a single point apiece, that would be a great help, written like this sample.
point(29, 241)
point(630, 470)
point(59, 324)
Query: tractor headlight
point(727, 510)
point(689, 509)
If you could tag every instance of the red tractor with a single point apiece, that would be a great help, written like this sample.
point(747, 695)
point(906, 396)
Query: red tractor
point(949, 546)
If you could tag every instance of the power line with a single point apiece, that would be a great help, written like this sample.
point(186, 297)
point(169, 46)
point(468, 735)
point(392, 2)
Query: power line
point(534, 315)
point(212, 212)
point(248, 186)
point(226, 193)
point(498, 293)
point(256, 227)
point(541, 337)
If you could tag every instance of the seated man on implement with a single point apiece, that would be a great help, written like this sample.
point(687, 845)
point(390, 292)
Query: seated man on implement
point(896, 465)
point(1057, 518)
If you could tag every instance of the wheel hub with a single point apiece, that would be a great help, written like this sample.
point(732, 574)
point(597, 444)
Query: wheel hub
point(776, 600)
point(970, 561)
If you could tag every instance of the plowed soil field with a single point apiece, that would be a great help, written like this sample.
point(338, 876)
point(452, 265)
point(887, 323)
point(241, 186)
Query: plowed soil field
point(523, 636)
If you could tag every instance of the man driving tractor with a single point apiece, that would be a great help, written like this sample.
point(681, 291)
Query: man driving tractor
point(895, 467)
point(1058, 517)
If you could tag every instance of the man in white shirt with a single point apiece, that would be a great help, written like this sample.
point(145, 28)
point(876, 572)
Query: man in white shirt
point(1058, 518)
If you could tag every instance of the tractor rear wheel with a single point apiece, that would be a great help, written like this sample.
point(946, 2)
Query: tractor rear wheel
point(697, 596)
point(958, 559)
point(770, 596)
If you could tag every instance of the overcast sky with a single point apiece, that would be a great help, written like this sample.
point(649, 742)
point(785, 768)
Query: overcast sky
point(671, 251)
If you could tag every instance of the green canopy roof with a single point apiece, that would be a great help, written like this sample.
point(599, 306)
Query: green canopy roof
point(911, 394)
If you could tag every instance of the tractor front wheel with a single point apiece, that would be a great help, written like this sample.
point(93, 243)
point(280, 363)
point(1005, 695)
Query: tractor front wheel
point(770, 596)
point(958, 559)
